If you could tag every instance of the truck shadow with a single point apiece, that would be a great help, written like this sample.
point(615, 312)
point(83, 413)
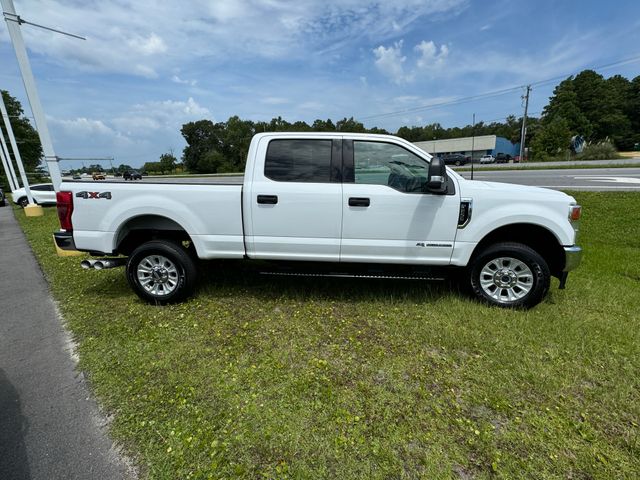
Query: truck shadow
point(219, 280)
point(14, 463)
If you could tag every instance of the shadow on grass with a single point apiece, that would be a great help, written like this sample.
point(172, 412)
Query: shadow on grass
point(219, 280)
point(224, 280)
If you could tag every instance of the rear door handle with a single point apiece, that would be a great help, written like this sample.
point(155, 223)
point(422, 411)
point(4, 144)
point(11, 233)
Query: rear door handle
point(359, 202)
point(268, 199)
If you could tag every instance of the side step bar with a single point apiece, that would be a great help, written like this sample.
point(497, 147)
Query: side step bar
point(354, 275)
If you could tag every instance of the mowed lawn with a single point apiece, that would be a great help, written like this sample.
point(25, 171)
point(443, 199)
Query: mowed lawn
point(281, 377)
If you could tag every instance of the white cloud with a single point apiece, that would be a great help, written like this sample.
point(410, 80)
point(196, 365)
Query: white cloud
point(181, 81)
point(149, 38)
point(274, 101)
point(390, 61)
point(430, 55)
point(147, 119)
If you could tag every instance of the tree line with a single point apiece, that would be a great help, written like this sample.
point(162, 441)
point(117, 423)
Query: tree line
point(601, 110)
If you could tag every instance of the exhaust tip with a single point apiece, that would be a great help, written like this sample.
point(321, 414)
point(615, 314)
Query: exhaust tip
point(98, 265)
point(86, 264)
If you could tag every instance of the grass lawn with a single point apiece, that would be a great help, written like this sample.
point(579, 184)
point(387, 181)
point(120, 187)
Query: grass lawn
point(262, 377)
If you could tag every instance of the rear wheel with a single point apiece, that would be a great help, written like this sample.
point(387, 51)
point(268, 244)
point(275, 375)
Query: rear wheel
point(510, 275)
point(23, 202)
point(161, 271)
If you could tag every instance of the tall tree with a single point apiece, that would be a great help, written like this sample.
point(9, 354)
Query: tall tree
point(26, 136)
point(565, 104)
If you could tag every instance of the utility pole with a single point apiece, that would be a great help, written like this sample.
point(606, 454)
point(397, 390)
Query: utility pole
point(523, 132)
point(8, 164)
point(473, 142)
point(5, 166)
point(16, 152)
point(13, 25)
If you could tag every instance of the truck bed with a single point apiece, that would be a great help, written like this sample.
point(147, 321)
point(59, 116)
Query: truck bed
point(209, 211)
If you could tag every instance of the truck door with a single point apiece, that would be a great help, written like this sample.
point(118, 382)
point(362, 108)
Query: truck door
point(296, 200)
point(387, 215)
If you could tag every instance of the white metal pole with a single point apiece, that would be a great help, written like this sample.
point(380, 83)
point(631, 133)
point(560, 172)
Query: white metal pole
point(12, 172)
point(16, 153)
point(14, 147)
point(6, 170)
point(32, 93)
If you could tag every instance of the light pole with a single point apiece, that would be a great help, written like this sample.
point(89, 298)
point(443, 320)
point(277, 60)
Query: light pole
point(32, 209)
point(5, 166)
point(13, 25)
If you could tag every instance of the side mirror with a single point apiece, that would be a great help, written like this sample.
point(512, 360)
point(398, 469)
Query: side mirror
point(437, 181)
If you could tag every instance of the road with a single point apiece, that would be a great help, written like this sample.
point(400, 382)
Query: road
point(592, 179)
point(50, 426)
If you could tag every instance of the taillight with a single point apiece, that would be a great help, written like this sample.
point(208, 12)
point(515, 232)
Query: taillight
point(65, 209)
point(575, 212)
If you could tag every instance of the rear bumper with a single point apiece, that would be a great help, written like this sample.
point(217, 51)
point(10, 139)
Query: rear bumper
point(572, 257)
point(64, 240)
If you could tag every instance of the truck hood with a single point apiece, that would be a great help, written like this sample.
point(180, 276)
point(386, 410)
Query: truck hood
point(508, 191)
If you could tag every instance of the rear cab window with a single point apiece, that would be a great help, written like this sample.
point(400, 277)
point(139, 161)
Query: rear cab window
point(299, 160)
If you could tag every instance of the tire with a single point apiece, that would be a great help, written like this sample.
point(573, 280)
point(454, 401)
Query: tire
point(509, 275)
point(23, 202)
point(161, 272)
point(458, 163)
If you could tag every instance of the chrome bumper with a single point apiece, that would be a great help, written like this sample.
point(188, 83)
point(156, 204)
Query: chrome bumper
point(572, 258)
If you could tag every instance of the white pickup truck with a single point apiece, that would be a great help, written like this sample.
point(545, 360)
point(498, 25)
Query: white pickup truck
point(330, 203)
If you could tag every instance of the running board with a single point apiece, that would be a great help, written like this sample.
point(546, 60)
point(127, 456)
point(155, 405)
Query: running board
point(353, 275)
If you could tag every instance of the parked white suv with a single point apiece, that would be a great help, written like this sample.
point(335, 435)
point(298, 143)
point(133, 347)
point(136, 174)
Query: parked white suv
point(43, 194)
point(333, 204)
point(487, 159)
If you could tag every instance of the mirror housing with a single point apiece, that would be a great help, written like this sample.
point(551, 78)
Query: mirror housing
point(437, 181)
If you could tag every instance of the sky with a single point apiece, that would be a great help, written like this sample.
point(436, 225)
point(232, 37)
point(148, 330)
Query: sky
point(147, 67)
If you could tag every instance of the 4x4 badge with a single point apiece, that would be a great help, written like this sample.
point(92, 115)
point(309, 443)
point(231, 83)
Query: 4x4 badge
point(87, 195)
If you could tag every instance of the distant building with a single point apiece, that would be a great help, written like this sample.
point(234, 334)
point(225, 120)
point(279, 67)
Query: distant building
point(482, 145)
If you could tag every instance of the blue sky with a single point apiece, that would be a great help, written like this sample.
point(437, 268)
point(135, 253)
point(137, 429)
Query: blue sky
point(147, 67)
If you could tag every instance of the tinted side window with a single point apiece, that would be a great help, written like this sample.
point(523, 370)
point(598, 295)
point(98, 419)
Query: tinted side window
point(41, 188)
point(298, 161)
point(378, 163)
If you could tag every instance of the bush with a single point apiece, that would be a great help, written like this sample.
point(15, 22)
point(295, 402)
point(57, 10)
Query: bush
point(598, 151)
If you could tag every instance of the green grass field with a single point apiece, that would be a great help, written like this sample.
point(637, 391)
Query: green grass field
point(262, 377)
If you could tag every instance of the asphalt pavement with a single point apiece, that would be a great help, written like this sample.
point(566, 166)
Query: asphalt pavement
point(50, 426)
point(589, 179)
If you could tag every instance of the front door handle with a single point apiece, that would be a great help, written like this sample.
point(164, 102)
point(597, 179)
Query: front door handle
point(268, 199)
point(359, 202)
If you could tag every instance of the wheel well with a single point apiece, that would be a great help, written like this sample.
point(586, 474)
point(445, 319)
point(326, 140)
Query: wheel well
point(538, 238)
point(144, 228)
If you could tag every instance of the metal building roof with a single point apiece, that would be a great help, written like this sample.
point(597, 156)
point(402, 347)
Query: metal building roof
point(482, 142)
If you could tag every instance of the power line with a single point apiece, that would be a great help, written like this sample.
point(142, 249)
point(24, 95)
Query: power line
point(491, 94)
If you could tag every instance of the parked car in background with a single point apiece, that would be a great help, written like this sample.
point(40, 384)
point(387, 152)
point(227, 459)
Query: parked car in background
point(503, 158)
point(2, 198)
point(43, 194)
point(98, 176)
point(132, 175)
point(455, 159)
point(77, 177)
point(487, 159)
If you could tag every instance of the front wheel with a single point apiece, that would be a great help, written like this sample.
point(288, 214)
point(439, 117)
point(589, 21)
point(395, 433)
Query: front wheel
point(161, 271)
point(510, 275)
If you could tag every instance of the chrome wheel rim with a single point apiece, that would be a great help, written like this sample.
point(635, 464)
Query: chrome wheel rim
point(157, 275)
point(506, 279)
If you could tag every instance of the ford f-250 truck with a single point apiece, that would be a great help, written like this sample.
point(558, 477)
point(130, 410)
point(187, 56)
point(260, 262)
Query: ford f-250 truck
point(337, 202)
